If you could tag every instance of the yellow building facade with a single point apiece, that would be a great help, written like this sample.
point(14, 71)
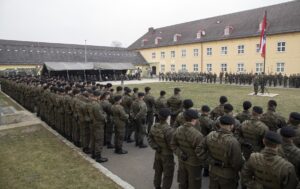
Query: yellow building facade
point(232, 55)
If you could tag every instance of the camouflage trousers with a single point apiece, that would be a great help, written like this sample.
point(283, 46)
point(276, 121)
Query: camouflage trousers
point(164, 171)
point(97, 138)
point(75, 131)
point(150, 120)
point(68, 125)
point(216, 182)
point(119, 133)
point(129, 130)
point(84, 134)
point(109, 127)
point(189, 177)
point(140, 131)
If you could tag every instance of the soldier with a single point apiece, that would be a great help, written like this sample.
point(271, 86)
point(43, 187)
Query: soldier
point(267, 169)
point(175, 105)
point(288, 149)
point(294, 122)
point(135, 94)
point(99, 118)
point(126, 103)
point(108, 129)
point(187, 104)
point(256, 83)
point(150, 102)
point(262, 82)
point(219, 110)
point(185, 140)
point(252, 132)
point(271, 118)
point(245, 115)
point(138, 112)
point(224, 155)
point(285, 80)
point(68, 113)
point(159, 139)
point(120, 117)
point(160, 103)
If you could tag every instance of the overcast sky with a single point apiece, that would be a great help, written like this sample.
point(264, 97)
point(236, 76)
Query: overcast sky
point(102, 21)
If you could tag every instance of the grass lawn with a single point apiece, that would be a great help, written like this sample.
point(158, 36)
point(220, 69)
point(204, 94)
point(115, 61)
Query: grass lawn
point(288, 100)
point(4, 101)
point(33, 158)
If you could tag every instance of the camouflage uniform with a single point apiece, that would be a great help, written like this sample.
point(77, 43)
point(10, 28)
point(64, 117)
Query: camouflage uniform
point(161, 102)
point(68, 116)
point(206, 124)
point(159, 139)
point(150, 102)
point(175, 105)
point(184, 143)
point(268, 170)
point(245, 115)
point(106, 105)
point(126, 103)
point(217, 112)
point(273, 120)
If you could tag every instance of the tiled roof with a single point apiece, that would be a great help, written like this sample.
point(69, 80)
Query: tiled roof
point(281, 18)
point(25, 52)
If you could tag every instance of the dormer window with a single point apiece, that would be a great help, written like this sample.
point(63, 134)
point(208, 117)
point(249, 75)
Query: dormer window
point(200, 33)
point(176, 37)
point(228, 30)
point(157, 40)
point(144, 42)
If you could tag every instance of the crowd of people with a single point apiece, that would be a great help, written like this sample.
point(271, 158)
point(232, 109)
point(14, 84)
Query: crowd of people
point(259, 149)
point(292, 81)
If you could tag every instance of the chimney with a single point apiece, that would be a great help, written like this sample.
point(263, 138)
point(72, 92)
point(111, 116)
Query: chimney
point(151, 30)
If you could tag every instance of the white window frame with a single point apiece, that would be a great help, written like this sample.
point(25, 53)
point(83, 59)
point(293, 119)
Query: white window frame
point(257, 48)
point(173, 68)
point(173, 54)
point(259, 67)
point(162, 68)
point(209, 67)
point(184, 68)
point(223, 67)
point(280, 67)
point(281, 46)
point(153, 55)
point(183, 53)
point(224, 50)
point(240, 67)
point(196, 67)
point(209, 51)
point(162, 55)
point(241, 49)
point(196, 52)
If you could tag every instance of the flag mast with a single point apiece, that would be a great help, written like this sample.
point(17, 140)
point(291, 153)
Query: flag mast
point(263, 40)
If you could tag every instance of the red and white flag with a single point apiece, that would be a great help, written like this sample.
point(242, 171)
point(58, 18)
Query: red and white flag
point(263, 37)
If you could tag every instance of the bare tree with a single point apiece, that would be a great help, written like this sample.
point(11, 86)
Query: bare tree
point(116, 44)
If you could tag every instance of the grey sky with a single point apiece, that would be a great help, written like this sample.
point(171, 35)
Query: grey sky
point(102, 21)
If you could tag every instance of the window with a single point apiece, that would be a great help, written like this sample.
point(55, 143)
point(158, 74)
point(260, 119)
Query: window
point(172, 54)
point(196, 52)
point(223, 50)
point(209, 67)
point(228, 30)
point(257, 48)
point(241, 49)
point(153, 55)
point(183, 68)
point(162, 68)
point(196, 67)
point(183, 53)
point(172, 67)
point(199, 35)
point(280, 67)
point(240, 67)
point(209, 51)
point(224, 67)
point(162, 54)
point(259, 67)
point(281, 46)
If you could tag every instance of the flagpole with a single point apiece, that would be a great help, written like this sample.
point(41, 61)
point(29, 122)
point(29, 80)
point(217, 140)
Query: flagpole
point(265, 44)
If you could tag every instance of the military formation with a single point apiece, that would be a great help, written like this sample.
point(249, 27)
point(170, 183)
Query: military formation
point(291, 81)
point(254, 149)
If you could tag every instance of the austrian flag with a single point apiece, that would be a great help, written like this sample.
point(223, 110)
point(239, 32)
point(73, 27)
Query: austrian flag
point(262, 48)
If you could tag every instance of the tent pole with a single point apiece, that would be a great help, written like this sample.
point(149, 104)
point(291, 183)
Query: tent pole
point(115, 75)
point(49, 73)
point(84, 75)
point(100, 77)
point(68, 74)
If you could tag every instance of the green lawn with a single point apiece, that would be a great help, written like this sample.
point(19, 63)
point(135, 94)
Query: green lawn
point(33, 158)
point(288, 100)
point(4, 101)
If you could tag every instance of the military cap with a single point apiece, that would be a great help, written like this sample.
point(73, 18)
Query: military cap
point(272, 103)
point(119, 88)
point(140, 94)
point(247, 105)
point(205, 108)
point(228, 107)
point(257, 109)
point(117, 98)
point(177, 90)
point(295, 116)
point(273, 137)
point(162, 93)
point(127, 89)
point(188, 103)
point(108, 85)
point(287, 132)
point(135, 89)
point(164, 112)
point(227, 120)
point(147, 89)
point(223, 99)
point(190, 113)
point(96, 93)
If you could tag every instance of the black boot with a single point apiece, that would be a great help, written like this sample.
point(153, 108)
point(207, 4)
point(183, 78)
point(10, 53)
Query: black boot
point(120, 151)
point(205, 172)
point(110, 146)
point(143, 145)
point(86, 150)
point(101, 159)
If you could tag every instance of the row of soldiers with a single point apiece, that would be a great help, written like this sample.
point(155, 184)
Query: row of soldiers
point(214, 141)
point(292, 81)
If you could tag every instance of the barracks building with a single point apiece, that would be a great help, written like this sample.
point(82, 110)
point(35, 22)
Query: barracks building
point(228, 43)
